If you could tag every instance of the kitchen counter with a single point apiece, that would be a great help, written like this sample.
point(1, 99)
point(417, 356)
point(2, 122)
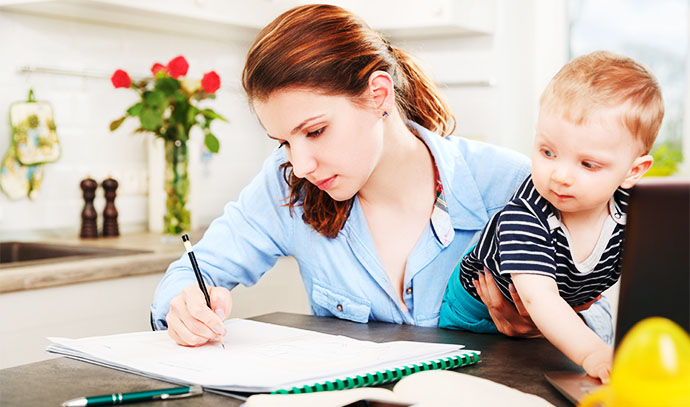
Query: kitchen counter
point(159, 255)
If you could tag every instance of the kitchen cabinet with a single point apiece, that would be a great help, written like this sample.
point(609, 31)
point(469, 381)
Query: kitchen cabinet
point(223, 20)
point(213, 18)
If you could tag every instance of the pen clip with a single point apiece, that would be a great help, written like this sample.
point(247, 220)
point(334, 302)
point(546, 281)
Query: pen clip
point(193, 391)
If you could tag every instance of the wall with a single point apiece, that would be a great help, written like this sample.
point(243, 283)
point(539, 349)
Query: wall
point(84, 106)
point(527, 48)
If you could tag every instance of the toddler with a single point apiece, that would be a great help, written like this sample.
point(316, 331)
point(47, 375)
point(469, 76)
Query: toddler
point(559, 239)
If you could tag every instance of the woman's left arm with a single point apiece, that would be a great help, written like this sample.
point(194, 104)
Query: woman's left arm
point(509, 320)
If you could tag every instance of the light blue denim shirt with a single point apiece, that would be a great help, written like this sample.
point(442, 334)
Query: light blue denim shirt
point(343, 277)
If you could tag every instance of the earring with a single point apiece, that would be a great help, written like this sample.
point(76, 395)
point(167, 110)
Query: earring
point(385, 114)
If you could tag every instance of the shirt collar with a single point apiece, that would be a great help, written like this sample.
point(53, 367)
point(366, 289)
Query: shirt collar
point(463, 200)
point(441, 223)
point(618, 205)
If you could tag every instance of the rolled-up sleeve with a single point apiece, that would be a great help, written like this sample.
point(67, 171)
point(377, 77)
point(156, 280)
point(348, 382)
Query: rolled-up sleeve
point(239, 246)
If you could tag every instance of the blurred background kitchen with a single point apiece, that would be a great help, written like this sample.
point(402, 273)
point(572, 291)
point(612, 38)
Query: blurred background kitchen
point(492, 59)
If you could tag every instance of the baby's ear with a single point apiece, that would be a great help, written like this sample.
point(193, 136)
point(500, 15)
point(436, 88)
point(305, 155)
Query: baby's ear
point(640, 166)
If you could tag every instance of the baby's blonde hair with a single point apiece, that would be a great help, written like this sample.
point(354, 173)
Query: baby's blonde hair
point(601, 80)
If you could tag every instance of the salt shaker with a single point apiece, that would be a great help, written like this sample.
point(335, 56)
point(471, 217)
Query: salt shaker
point(89, 227)
point(110, 226)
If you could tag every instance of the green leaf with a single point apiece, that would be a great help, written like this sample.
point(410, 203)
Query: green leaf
point(154, 99)
point(135, 110)
point(116, 123)
point(667, 157)
point(191, 115)
point(150, 119)
point(180, 97)
point(209, 114)
point(211, 143)
point(167, 85)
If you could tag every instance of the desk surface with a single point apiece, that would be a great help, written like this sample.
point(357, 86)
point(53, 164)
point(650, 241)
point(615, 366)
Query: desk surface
point(519, 363)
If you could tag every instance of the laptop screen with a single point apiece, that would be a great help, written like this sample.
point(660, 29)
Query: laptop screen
point(655, 276)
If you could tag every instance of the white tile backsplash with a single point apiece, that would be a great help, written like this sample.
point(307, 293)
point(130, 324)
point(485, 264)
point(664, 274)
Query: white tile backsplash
point(84, 107)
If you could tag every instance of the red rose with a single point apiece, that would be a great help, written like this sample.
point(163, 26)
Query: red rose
point(177, 67)
point(158, 68)
point(120, 79)
point(210, 82)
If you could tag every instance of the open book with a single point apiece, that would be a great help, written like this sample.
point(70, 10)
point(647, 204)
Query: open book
point(433, 388)
point(262, 357)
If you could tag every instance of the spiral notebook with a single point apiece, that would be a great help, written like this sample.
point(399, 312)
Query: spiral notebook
point(266, 358)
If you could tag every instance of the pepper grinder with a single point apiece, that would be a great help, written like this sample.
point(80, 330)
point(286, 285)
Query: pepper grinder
point(89, 227)
point(110, 227)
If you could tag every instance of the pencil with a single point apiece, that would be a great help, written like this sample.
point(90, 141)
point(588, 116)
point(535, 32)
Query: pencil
point(197, 273)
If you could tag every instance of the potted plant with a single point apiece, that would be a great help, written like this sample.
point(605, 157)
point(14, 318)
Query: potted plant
point(169, 107)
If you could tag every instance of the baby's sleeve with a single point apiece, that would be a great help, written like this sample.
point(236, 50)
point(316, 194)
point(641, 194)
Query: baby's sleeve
point(524, 244)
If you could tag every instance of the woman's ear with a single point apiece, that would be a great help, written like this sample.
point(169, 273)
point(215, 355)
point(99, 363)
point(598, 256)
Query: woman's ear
point(382, 91)
point(640, 166)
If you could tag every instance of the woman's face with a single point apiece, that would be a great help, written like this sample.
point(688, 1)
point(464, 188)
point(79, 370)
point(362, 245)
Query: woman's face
point(331, 141)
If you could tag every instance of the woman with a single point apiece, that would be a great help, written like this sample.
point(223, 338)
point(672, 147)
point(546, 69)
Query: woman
point(365, 194)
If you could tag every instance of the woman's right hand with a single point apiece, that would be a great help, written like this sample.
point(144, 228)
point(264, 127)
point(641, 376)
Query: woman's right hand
point(191, 322)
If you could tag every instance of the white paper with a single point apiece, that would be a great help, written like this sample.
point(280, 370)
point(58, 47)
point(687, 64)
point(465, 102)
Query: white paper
point(258, 357)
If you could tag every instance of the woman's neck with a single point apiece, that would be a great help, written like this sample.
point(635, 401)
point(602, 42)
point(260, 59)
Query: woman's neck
point(404, 170)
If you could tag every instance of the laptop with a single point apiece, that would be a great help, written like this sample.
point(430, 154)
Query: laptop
point(655, 274)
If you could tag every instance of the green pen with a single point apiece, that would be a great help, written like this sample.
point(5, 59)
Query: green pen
point(139, 396)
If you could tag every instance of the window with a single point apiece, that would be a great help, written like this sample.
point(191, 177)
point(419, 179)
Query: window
point(655, 33)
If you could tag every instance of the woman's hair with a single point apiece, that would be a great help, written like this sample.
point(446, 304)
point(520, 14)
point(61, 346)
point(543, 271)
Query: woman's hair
point(603, 80)
point(331, 50)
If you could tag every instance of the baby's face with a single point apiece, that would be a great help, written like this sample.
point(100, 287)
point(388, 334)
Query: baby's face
point(578, 167)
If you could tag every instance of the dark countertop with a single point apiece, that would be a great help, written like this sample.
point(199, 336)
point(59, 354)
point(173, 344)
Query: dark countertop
point(518, 363)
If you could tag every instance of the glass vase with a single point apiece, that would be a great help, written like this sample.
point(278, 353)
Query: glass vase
point(177, 215)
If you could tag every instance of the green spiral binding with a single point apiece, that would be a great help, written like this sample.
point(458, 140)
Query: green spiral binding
point(386, 376)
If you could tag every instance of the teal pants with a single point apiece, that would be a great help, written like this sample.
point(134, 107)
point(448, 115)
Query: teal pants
point(461, 311)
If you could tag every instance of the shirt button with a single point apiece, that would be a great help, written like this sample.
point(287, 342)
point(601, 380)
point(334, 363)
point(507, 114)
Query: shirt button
point(340, 308)
point(409, 290)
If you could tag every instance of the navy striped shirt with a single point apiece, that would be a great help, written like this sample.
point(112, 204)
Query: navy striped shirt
point(527, 237)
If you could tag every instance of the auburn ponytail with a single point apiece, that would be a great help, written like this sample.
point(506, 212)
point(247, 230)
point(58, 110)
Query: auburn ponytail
point(327, 48)
point(419, 98)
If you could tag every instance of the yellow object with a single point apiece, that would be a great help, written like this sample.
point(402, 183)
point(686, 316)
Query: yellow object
point(651, 368)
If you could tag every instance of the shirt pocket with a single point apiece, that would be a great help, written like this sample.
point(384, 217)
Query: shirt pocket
point(340, 304)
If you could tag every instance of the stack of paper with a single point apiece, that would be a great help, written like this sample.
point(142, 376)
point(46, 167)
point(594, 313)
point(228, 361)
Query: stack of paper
point(258, 357)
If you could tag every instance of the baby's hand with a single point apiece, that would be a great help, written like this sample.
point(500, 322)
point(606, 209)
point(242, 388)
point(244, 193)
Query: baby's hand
point(598, 363)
